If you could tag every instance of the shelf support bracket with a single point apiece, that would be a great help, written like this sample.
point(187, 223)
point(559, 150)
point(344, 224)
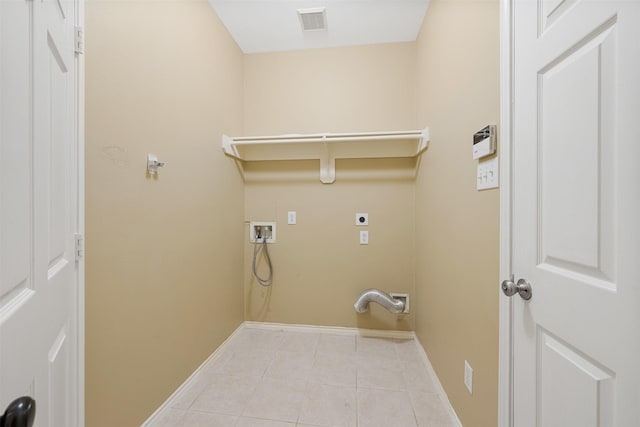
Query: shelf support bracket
point(228, 147)
point(327, 164)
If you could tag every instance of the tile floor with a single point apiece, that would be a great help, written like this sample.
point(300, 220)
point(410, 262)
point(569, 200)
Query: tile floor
point(274, 378)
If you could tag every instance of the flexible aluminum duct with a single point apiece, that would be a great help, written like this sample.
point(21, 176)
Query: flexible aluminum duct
point(382, 298)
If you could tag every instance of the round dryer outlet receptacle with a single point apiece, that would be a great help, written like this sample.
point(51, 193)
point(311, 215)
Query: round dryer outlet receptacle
point(362, 219)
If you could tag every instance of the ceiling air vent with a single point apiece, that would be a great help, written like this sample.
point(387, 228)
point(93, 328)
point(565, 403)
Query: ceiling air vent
point(313, 19)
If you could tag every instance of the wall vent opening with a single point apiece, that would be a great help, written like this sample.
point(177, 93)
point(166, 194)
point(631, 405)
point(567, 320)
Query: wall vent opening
point(313, 19)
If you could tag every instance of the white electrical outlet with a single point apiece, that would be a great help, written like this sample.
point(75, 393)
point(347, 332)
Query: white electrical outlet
point(291, 217)
point(364, 237)
point(468, 377)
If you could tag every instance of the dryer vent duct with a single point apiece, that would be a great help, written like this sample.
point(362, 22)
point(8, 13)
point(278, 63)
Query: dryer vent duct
point(313, 19)
point(394, 305)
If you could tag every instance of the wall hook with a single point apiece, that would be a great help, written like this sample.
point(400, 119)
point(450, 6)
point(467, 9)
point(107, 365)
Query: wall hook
point(153, 164)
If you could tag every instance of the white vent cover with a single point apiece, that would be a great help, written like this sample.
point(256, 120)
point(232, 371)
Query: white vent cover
point(313, 19)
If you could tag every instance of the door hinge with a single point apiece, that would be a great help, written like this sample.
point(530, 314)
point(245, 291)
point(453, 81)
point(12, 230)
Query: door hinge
point(78, 39)
point(79, 239)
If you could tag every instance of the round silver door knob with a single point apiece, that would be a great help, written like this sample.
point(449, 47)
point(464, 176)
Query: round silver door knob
point(523, 288)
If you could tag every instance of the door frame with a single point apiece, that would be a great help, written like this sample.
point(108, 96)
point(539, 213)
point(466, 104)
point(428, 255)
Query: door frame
point(79, 115)
point(505, 347)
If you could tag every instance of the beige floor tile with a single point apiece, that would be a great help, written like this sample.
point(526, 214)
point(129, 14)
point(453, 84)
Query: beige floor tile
point(430, 410)
point(169, 418)
point(290, 365)
point(188, 394)
point(380, 373)
point(378, 347)
point(256, 422)
point(336, 344)
point(274, 378)
point(193, 388)
point(417, 377)
point(299, 342)
point(226, 394)
point(338, 369)
point(257, 340)
point(407, 351)
point(221, 358)
point(331, 406)
point(276, 399)
point(385, 408)
point(204, 419)
point(242, 362)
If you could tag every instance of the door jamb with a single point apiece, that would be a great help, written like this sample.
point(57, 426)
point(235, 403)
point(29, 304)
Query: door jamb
point(505, 349)
point(80, 294)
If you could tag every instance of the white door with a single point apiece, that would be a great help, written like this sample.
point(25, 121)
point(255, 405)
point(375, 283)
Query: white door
point(40, 209)
point(576, 213)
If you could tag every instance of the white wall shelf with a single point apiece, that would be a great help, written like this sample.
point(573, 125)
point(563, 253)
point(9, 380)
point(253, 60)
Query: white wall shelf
point(327, 147)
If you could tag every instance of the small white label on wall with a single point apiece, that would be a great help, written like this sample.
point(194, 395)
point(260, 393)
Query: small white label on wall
point(291, 217)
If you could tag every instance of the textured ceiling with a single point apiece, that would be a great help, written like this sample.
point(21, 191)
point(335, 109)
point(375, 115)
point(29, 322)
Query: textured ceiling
point(269, 26)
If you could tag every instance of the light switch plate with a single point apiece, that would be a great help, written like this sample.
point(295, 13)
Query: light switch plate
point(488, 175)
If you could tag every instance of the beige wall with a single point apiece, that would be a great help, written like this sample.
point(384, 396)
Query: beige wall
point(319, 266)
point(168, 258)
point(163, 255)
point(457, 227)
point(365, 88)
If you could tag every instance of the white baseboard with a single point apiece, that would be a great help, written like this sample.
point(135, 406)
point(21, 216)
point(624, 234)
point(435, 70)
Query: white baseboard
point(217, 352)
point(436, 381)
point(322, 330)
point(332, 330)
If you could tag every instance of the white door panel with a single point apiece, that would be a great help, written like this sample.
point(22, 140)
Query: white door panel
point(575, 212)
point(15, 90)
point(574, 392)
point(39, 209)
point(17, 288)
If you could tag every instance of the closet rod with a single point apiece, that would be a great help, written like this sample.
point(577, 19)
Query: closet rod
point(326, 139)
